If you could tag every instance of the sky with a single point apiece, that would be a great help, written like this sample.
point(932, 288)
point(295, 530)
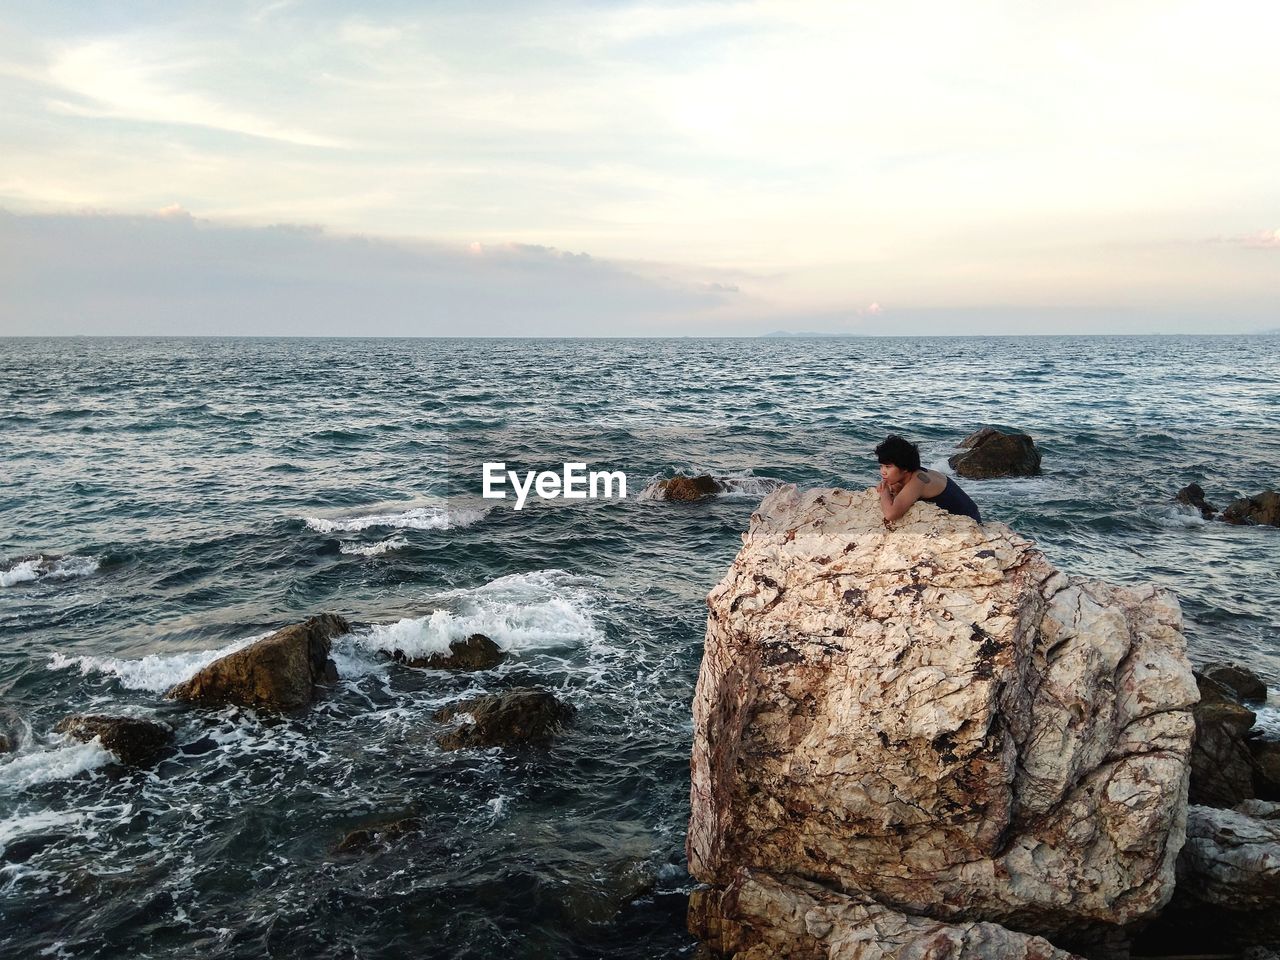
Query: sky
point(615, 168)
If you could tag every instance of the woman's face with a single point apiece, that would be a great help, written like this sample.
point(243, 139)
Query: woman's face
point(891, 474)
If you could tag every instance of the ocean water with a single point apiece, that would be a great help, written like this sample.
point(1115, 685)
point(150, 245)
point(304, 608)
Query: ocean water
point(167, 500)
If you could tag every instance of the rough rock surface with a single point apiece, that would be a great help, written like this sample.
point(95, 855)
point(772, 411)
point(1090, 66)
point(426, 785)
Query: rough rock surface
point(1232, 857)
point(279, 672)
point(933, 719)
point(1264, 509)
point(756, 917)
point(1228, 893)
point(992, 453)
point(476, 652)
point(1221, 766)
point(1192, 495)
point(137, 742)
point(525, 716)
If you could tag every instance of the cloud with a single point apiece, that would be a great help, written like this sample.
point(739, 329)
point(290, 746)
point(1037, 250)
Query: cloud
point(173, 274)
point(1266, 239)
point(126, 81)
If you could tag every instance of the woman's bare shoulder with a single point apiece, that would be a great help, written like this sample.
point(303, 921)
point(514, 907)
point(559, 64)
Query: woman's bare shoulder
point(931, 480)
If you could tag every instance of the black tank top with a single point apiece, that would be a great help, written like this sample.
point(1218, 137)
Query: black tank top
point(954, 500)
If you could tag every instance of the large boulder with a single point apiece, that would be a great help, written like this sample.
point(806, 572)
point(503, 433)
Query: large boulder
point(1263, 509)
point(993, 453)
point(935, 720)
point(279, 672)
point(522, 717)
point(136, 742)
point(1192, 495)
point(476, 652)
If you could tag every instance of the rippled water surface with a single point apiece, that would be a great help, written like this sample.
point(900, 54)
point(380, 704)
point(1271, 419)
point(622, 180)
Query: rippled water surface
point(164, 501)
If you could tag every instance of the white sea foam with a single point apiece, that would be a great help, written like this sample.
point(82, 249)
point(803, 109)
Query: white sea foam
point(1269, 716)
point(546, 608)
point(50, 568)
point(156, 672)
point(1179, 516)
point(374, 549)
point(38, 821)
point(419, 518)
point(28, 769)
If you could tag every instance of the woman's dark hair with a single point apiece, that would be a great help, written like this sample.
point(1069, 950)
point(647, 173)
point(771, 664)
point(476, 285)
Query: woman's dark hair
point(901, 453)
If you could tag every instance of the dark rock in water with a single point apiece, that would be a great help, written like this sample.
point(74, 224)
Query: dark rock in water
point(12, 729)
point(138, 743)
point(1266, 768)
point(1240, 680)
point(1262, 509)
point(992, 453)
point(279, 672)
point(688, 489)
point(525, 716)
point(1221, 765)
point(379, 834)
point(476, 652)
point(1192, 495)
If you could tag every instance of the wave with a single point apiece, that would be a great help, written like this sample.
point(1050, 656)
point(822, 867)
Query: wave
point(155, 672)
point(1178, 516)
point(419, 518)
point(545, 608)
point(29, 769)
point(374, 549)
point(1269, 717)
point(42, 567)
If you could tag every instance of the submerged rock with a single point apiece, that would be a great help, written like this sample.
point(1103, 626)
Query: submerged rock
point(522, 717)
point(992, 453)
point(1262, 509)
point(279, 672)
point(13, 729)
point(380, 834)
point(1221, 767)
point(686, 489)
point(137, 742)
point(935, 721)
point(476, 652)
point(1192, 495)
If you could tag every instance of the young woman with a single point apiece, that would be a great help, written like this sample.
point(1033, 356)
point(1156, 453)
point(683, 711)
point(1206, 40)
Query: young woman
point(903, 482)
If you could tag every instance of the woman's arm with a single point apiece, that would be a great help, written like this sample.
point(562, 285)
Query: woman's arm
point(894, 507)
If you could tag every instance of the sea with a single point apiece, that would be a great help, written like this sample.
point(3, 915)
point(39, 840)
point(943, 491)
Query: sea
point(166, 501)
